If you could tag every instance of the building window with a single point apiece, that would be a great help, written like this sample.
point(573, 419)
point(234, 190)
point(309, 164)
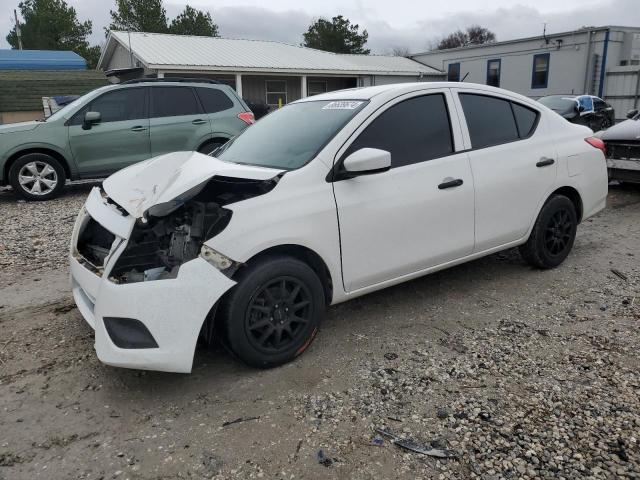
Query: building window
point(276, 92)
point(540, 75)
point(316, 87)
point(453, 74)
point(493, 72)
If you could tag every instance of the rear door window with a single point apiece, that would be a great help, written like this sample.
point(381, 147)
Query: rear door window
point(173, 102)
point(214, 100)
point(413, 131)
point(490, 120)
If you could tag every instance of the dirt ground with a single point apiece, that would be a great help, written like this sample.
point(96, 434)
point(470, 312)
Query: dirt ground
point(522, 373)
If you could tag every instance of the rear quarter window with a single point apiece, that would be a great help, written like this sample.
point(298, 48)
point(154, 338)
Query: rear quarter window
point(526, 119)
point(214, 100)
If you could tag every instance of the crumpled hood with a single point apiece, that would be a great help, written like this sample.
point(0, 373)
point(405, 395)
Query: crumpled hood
point(627, 130)
point(163, 178)
point(19, 127)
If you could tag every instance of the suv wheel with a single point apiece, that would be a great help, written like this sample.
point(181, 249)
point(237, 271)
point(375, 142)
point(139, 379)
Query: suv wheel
point(209, 147)
point(553, 234)
point(37, 176)
point(273, 313)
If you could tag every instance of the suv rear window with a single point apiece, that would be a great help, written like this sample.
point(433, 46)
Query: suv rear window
point(214, 100)
point(173, 102)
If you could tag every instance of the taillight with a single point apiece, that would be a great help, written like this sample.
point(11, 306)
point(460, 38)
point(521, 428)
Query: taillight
point(597, 143)
point(247, 117)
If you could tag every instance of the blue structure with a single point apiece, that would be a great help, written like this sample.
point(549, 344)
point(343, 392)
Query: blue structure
point(41, 60)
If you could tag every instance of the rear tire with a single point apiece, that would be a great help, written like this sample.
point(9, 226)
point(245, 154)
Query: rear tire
point(272, 315)
point(37, 176)
point(209, 147)
point(553, 234)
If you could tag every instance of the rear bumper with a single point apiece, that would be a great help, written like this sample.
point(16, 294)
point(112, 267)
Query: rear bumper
point(172, 310)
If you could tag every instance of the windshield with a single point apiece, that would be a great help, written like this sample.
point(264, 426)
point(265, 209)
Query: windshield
point(71, 106)
point(559, 103)
point(291, 136)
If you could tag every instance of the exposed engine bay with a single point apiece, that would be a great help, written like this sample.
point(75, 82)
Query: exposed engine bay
point(172, 233)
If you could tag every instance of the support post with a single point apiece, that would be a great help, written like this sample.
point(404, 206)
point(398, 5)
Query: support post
point(303, 86)
point(239, 84)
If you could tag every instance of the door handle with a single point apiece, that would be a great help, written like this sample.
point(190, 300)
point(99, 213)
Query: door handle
point(138, 128)
point(199, 121)
point(544, 161)
point(450, 184)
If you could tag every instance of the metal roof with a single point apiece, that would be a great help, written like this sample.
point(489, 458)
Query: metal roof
point(41, 60)
point(525, 39)
point(185, 52)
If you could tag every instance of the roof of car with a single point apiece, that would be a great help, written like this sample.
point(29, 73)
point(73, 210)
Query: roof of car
point(367, 93)
point(571, 96)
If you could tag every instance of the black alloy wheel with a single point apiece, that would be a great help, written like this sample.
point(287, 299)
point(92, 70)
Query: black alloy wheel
point(277, 314)
point(273, 313)
point(559, 233)
point(553, 234)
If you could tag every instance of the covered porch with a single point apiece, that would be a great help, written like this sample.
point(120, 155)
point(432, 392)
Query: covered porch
point(273, 90)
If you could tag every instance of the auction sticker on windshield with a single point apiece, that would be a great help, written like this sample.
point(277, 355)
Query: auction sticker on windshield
point(342, 105)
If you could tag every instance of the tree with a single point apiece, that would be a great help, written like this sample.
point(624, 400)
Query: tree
point(400, 52)
point(53, 25)
point(194, 22)
point(479, 35)
point(473, 35)
point(337, 35)
point(139, 16)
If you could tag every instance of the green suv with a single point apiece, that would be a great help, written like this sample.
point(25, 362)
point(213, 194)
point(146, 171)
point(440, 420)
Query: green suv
point(115, 126)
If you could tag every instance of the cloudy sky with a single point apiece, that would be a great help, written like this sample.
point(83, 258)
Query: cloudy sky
point(408, 24)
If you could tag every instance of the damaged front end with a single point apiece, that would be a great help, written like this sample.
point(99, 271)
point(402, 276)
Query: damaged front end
point(170, 234)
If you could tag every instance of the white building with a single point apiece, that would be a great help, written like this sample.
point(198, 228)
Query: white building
point(260, 71)
point(602, 61)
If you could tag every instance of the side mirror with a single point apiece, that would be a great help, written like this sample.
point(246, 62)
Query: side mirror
point(90, 119)
point(580, 108)
point(632, 113)
point(365, 161)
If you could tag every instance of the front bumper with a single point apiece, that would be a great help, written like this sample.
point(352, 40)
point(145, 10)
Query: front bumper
point(173, 310)
point(624, 169)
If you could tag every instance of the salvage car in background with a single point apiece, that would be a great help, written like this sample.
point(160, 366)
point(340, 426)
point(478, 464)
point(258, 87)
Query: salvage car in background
point(324, 200)
point(587, 110)
point(115, 126)
point(622, 142)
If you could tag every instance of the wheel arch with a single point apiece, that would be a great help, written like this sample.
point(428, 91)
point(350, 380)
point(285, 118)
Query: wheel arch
point(213, 139)
point(211, 324)
point(306, 255)
point(572, 194)
point(47, 151)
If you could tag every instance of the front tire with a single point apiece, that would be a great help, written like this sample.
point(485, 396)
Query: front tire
point(553, 234)
point(272, 315)
point(37, 176)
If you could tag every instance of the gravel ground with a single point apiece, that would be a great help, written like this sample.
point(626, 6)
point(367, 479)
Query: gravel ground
point(34, 235)
point(520, 373)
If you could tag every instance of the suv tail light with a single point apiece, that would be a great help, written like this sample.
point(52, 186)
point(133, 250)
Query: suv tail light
point(597, 143)
point(247, 117)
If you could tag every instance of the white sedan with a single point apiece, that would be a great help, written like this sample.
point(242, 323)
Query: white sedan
point(329, 198)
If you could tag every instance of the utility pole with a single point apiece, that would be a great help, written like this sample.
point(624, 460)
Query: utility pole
point(18, 32)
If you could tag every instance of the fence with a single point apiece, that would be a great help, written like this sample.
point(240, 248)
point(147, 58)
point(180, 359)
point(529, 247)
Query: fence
point(622, 89)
